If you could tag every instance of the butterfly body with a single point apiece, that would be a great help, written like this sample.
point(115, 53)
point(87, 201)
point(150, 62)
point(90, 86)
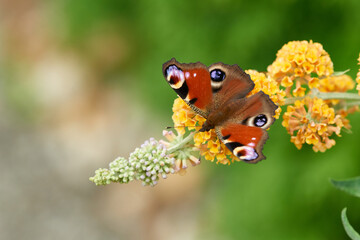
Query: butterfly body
point(218, 93)
point(218, 115)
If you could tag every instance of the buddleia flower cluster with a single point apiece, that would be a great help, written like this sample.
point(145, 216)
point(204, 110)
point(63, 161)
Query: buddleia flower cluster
point(150, 162)
point(317, 98)
point(299, 64)
point(314, 101)
point(316, 128)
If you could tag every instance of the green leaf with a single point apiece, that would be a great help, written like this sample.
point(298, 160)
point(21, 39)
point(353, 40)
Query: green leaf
point(348, 228)
point(351, 186)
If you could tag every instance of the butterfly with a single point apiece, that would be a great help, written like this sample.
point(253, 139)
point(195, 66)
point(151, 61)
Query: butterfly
point(218, 93)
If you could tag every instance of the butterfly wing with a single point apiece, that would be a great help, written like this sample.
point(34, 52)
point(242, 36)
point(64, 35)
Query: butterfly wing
point(205, 89)
point(244, 133)
point(191, 82)
point(245, 142)
point(234, 83)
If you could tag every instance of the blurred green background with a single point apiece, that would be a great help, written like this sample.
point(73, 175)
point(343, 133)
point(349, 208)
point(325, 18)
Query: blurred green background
point(81, 82)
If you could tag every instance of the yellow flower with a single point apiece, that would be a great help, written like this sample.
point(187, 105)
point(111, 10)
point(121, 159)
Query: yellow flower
point(344, 112)
point(286, 81)
point(312, 138)
point(184, 116)
point(269, 86)
point(308, 67)
point(312, 121)
point(300, 61)
point(314, 83)
point(207, 142)
point(212, 148)
point(299, 91)
point(340, 83)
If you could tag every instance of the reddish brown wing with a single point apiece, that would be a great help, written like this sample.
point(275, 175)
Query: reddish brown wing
point(191, 82)
point(244, 133)
point(250, 108)
point(207, 89)
point(236, 84)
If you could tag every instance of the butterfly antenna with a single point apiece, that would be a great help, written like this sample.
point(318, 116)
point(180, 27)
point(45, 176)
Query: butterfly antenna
point(179, 127)
point(175, 127)
point(183, 126)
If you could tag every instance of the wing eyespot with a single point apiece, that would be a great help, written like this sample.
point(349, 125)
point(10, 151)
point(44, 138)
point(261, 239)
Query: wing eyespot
point(171, 69)
point(262, 121)
point(246, 153)
point(217, 75)
point(174, 76)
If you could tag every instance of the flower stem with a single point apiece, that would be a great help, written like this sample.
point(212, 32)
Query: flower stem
point(325, 96)
point(350, 104)
point(338, 95)
point(182, 143)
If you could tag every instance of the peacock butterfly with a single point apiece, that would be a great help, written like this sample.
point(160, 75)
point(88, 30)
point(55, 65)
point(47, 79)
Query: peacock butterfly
point(218, 93)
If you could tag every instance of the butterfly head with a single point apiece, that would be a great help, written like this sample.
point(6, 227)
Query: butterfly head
point(207, 126)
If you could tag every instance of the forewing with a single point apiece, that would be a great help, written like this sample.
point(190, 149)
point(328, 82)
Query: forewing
point(192, 83)
point(235, 85)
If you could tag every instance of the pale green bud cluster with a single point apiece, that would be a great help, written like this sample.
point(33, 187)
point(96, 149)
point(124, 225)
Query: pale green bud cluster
point(146, 164)
point(150, 161)
point(119, 171)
